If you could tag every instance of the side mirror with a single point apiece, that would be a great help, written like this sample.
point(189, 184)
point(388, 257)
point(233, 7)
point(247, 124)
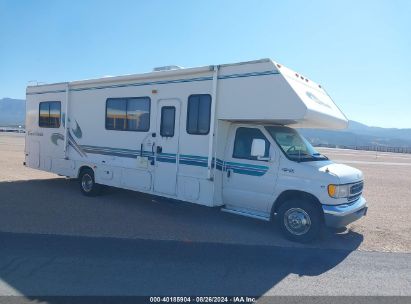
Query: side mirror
point(258, 149)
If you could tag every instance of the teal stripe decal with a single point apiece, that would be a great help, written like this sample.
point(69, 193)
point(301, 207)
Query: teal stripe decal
point(247, 166)
point(252, 74)
point(166, 160)
point(116, 151)
point(161, 82)
point(190, 160)
point(193, 163)
point(249, 172)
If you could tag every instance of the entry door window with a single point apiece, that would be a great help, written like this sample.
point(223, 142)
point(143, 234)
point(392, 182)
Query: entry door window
point(168, 118)
point(243, 141)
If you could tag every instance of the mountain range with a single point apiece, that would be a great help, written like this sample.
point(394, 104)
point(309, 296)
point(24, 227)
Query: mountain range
point(359, 135)
point(12, 113)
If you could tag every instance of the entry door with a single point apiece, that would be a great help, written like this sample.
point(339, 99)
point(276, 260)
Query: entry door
point(248, 183)
point(34, 153)
point(167, 146)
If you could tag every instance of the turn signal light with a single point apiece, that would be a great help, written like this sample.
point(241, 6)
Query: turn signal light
point(332, 190)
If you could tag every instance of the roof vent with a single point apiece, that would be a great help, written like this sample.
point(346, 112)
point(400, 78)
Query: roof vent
point(167, 68)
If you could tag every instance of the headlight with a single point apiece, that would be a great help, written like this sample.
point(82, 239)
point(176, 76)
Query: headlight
point(339, 191)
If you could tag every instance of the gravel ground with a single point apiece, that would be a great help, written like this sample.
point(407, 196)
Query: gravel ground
point(32, 201)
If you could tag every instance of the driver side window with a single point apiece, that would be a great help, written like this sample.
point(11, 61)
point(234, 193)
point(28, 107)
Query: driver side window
point(243, 141)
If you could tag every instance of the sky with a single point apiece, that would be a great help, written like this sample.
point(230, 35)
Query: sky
point(360, 51)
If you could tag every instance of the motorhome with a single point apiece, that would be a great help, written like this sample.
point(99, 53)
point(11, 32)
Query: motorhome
point(220, 136)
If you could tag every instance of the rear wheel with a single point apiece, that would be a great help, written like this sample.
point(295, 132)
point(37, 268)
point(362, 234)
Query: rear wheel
point(88, 185)
point(300, 221)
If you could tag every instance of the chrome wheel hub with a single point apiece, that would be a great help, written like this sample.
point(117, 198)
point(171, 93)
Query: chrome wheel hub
point(297, 221)
point(87, 182)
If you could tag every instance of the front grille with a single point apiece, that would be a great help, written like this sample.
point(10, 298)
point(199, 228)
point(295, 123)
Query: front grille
point(355, 191)
point(356, 188)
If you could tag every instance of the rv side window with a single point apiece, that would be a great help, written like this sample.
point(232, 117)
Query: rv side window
point(128, 114)
point(49, 114)
point(198, 114)
point(243, 141)
point(168, 115)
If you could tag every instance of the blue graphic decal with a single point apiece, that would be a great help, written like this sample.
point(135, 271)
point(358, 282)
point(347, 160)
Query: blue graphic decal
point(317, 100)
point(55, 137)
point(77, 131)
point(72, 143)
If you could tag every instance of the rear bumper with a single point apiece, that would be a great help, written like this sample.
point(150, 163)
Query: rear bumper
point(342, 215)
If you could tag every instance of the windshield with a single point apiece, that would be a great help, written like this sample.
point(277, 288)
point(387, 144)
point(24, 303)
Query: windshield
point(294, 146)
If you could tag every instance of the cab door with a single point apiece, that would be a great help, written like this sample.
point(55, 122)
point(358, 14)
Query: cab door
point(167, 146)
point(248, 183)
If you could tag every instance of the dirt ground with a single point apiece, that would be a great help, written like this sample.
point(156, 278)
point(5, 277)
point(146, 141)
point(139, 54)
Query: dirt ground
point(32, 201)
point(388, 191)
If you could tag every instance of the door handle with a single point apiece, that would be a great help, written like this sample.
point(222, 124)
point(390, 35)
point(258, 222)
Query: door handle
point(229, 173)
point(159, 149)
point(152, 154)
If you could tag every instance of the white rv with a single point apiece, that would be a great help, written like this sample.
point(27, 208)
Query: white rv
point(216, 136)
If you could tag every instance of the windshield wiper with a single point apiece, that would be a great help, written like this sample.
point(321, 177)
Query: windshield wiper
point(318, 155)
point(300, 154)
point(303, 156)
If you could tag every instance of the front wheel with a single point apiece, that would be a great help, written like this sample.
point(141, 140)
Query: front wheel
point(300, 221)
point(88, 185)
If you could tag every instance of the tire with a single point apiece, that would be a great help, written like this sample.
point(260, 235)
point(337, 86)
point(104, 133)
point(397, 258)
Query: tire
point(300, 220)
point(88, 185)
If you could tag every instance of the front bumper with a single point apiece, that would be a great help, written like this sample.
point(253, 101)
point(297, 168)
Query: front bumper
point(337, 216)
